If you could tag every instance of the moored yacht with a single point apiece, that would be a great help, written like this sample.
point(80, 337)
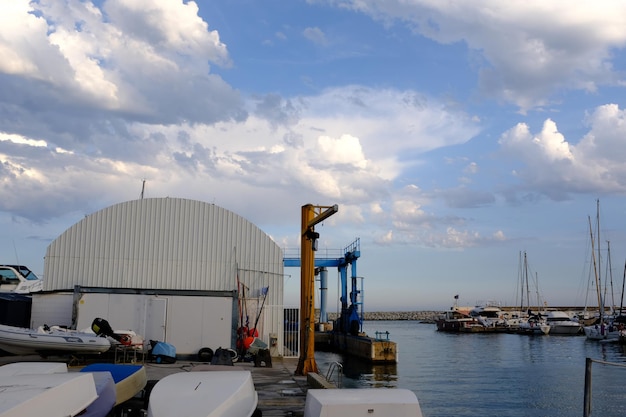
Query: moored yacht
point(561, 323)
point(490, 316)
point(457, 319)
point(535, 325)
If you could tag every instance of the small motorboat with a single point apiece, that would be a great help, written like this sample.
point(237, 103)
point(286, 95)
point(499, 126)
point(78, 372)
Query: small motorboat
point(46, 340)
point(55, 394)
point(129, 379)
point(204, 394)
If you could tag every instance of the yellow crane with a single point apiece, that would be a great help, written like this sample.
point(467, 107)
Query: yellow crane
point(311, 215)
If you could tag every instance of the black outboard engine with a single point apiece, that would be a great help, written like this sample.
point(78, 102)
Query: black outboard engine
point(101, 327)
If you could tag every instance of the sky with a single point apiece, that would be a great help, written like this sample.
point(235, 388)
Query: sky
point(453, 136)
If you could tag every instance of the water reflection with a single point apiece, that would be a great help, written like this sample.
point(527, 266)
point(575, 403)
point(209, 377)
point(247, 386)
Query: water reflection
point(358, 373)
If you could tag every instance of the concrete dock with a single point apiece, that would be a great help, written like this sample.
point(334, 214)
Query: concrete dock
point(280, 392)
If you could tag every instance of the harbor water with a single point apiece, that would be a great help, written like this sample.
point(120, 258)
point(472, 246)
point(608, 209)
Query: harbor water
point(489, 375)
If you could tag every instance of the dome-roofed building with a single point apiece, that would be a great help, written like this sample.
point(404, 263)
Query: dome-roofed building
point(181, 271)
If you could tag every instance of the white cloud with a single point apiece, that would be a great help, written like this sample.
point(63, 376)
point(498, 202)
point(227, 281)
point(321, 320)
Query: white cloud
point(315, 35)
point(557, 167)
point(138, 58)
point(526, 50)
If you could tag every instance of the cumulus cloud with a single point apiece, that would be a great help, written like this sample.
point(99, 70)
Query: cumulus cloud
point(550, 164)
point(524, 51)
point(128, 60)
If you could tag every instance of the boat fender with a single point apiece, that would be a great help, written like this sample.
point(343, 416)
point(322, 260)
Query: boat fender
point(205, 354)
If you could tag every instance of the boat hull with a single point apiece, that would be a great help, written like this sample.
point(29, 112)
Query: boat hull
point(128, 379)
point(601, 333)
point(204, 394)
point(56, 394)
point(22, 341)
point(353, 402)
point(565, 329)
point(537, 329)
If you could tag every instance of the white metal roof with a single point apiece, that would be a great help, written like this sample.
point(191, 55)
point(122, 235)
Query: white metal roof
point(164, 243)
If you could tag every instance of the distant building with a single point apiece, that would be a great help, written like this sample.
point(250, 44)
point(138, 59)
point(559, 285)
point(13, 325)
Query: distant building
point(180, 271)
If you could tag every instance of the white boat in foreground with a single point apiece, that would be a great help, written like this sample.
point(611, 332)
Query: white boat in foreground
point(356, 402)
point(204, 394)
point(50, 395)
point(23, 341)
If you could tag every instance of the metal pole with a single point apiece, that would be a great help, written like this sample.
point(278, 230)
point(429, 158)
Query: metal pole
point(323, 294)
point(587, 400)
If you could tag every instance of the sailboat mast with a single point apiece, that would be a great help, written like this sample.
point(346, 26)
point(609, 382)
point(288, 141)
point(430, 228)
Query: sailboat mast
point(599, 266)
point(621, 304)
point(595, 269)
point(526, 280)
point(520, 266)
point(609, 274)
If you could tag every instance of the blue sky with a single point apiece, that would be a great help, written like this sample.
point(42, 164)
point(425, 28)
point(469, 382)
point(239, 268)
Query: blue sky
point(452, 135)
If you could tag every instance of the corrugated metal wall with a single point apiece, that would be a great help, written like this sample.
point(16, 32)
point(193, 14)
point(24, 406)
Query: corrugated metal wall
point(165, 243)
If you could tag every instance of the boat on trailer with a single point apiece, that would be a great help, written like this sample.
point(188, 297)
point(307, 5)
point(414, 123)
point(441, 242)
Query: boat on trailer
point(204, 394)
point(104, 384)
point(129, 380)
point(54, 394)
point(353, 402)
point(44, 340)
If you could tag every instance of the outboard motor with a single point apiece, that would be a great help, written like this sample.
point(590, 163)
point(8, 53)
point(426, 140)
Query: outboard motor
point(101, 327)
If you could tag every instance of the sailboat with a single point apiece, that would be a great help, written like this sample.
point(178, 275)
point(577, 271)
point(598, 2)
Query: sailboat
point(603, 329)
point(535, 324)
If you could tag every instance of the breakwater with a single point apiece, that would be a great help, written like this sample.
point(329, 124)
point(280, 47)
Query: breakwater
point(427, 316)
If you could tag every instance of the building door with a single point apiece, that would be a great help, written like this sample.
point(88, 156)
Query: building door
point(156, 316)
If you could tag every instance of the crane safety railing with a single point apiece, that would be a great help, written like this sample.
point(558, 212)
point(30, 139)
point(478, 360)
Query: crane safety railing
point(338, 368)
point(587, 396)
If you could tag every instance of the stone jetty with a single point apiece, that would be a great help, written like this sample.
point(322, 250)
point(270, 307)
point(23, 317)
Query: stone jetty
point(424, 316)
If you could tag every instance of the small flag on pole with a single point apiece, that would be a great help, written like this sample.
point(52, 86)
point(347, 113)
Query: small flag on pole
point(456, 297)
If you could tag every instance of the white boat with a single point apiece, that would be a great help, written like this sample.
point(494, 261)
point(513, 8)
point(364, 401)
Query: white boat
point(32, 368)
point(356, 402)
point(490, 315)
point(23, 341)
point(19, 279)
point(204, 394)
point(531, 323)
point(535, 325)
point(53, 395)
point(561, 323)
point(603, 332)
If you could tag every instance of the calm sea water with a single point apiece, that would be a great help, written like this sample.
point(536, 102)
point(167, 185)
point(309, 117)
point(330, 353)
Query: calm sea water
point(492, 375)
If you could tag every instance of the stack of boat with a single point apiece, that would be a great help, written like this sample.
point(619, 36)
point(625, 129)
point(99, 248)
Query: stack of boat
point(48, 389)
